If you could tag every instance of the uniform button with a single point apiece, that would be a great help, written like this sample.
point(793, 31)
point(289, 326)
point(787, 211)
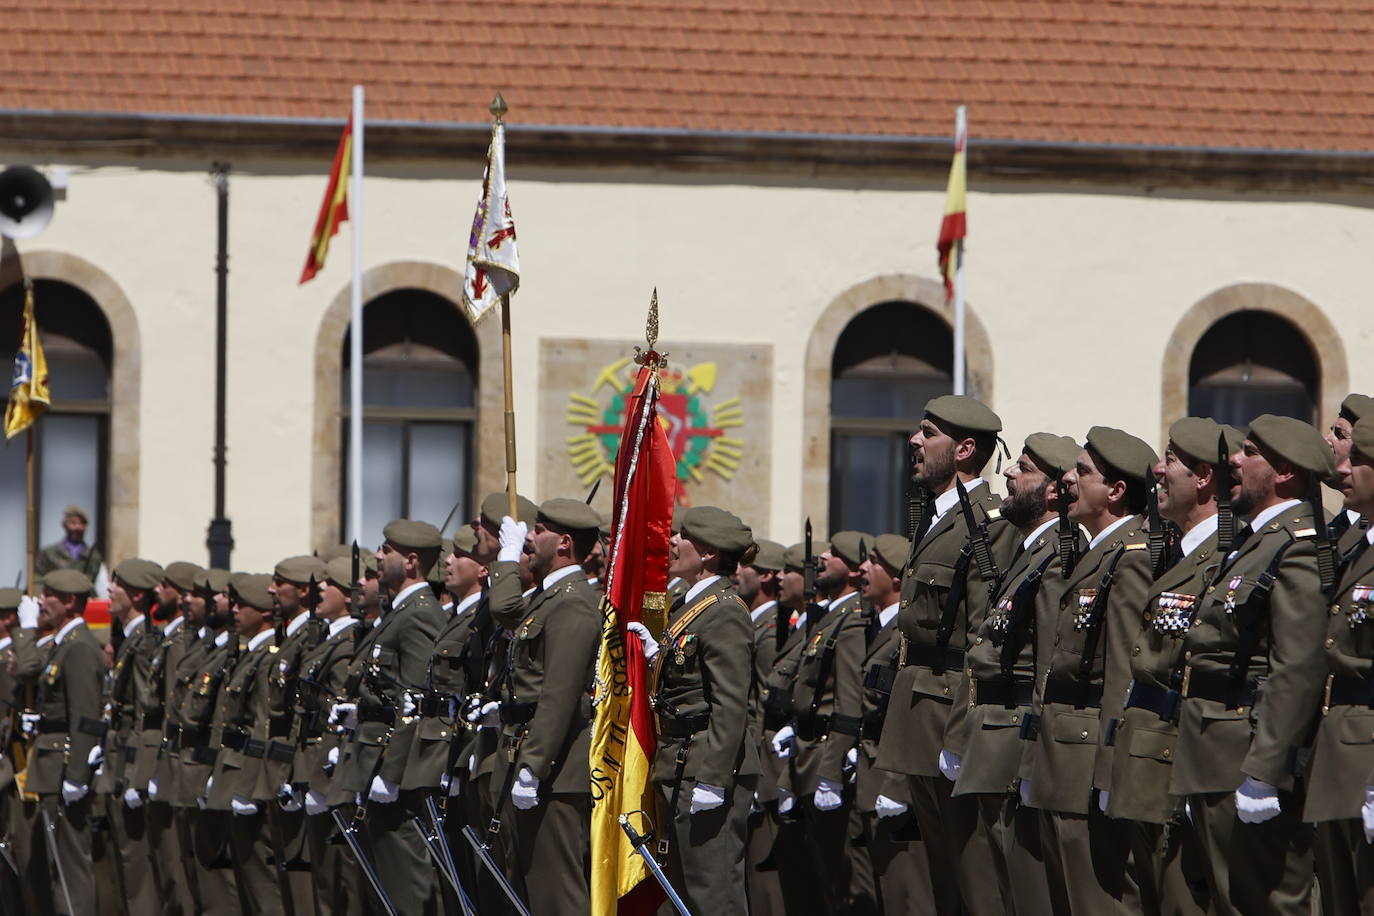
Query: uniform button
point(1165, 753)
point(1335, 609)
point(1135, 650)
point(978, 641)
point(969, 671)
point(1015, 718)
point(1187, 655)
point(1211, 588)
point(1083, 733)
point(946, 691)
point(1330, 641)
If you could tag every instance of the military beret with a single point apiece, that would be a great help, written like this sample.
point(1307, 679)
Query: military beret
point(1196, 438)
point(1362, 439)
point(716, 527)
point(969, 414)
point(771, 556)
point(1058, 453)
point(845, 545)
point(497, 505)
point(1235, 438)
point(76, 510)
point(217, 580)
point(409, 534)
point(182, 574)
point(68, 582)
point(1130, 456)
point(678, 513)
point(252, 590)
point(135, 573)
point(9, 598)
point(892, 549)
point(464, 541)
point(301, 570)
point(605, 526)
point(1356, 407)
point(334, 552)
point(794, 558)
point(569, 514)
point(1296, 442)
point(339, 571)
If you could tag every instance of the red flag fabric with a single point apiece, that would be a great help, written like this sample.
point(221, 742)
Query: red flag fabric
point(334, 210)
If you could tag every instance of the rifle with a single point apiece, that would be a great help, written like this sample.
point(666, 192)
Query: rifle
point(1068, 535)
point(978, 541)
point(1158, 537)
point(1226, 519)
point(1326, 554)
point(314, 625)
point(355, 600)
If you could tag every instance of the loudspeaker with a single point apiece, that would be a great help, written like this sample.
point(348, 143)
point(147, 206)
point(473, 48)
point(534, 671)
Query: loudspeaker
point(26, 202)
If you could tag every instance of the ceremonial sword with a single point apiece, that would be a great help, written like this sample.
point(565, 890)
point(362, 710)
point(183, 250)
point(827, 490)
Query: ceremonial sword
point(351, 836)
point(441, 862)
point(484, 853)
point(639, 842)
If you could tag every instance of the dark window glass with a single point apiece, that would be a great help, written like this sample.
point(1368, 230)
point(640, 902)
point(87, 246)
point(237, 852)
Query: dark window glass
point(1250, 363)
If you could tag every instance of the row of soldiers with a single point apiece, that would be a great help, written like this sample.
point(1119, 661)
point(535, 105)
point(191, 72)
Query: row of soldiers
point(1101, 693)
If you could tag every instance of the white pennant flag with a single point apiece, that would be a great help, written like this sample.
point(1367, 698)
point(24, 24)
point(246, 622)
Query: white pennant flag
point(493, 267)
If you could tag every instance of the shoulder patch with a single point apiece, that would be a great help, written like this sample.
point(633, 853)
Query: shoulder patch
point(1305, 533)
point(994, 513)
point(273, 649)
point(1137, 546)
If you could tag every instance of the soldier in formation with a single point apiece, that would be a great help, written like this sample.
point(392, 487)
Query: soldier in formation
point(1136, 683)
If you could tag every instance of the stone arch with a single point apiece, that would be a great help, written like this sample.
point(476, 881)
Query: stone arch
point(928, 294)
point(122, 517)
point(1333, 369)
point(327, 462)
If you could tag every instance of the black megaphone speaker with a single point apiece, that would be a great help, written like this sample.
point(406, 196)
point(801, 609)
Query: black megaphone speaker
point(26, 202)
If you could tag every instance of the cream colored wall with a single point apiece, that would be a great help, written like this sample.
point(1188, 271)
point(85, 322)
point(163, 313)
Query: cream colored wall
point(1079, 291)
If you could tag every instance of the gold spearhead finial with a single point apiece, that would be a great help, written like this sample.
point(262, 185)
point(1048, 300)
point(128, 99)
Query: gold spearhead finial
point(498, 108)
point(651, 330)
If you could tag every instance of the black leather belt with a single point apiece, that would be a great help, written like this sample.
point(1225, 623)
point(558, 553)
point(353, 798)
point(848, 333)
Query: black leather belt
point(233, 738)
point(280, 726)
point(1349, 691)
point(682, 726)
point(96, 728)
point(280, 752)
point(194, 736)
point(152, 719)
point(48, 726)
point(369, 712)
point(1158, 700)
point(1079, 694)
point(1220, 688)
point(517, 713)
point(937, 658)
point(434, 705)
point(1001, 692)
point(772, 721)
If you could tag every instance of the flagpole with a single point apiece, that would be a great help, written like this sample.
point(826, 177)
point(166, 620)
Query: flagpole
point(355, 355)
point(960, 143)
point(498, 112)
point(31, 516)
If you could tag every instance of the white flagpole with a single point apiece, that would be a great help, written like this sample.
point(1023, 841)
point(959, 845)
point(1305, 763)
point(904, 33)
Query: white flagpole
point(355, 356)
point(960, 133)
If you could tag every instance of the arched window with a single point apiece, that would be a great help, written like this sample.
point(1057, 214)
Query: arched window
point(888, 362)
point(71, 441)
point(1250, 363)
point(419, 363)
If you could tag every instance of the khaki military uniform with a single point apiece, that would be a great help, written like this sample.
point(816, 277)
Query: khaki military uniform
point(56, 556)
point(130, 682)
point(287, 828)
point(11, 704)
point(29, 654)
point(1229, 729)
point(765, 891)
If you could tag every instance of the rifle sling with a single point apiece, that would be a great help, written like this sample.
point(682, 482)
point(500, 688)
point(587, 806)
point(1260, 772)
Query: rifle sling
point(1025, 593)
point(1096, 615)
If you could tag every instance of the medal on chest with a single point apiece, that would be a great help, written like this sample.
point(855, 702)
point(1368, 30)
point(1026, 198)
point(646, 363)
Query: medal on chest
point(524, 630)
point(1083, 613)
point(1229, 602)
point(815, 645)
point(1000, 620)
point(1358, 612)
point(1173, 613)
point(684, 647)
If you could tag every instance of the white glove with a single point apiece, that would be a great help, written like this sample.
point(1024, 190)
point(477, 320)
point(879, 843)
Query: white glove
point(950, 764)
point(512, 538)
point(28, 722)
point(1103, 796)
point(1188, 810)
point(132, 799)
point(786, 800)
point(525, 793)
point(208, 783)
point(315, 803)
point(333, 756)
point(242, 805)
point(784, 742)
point(454, 785)
point(344, 715)
point(72, 792)
point(1025, 792)
point(28, 612)
point(851, 765)
point(706, 798)
point(827, 797)
point(383, 790)
point(486, 714)
point(96, 758)
point(1256, 802)
point(289, 798)
point(887, 807)
point(408, 706)
point(645, 639)
point(152, 788)
point(1367, 814)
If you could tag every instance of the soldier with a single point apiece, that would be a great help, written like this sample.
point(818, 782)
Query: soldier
point(677, 583)
point(1239, 746)
point(706, 766)
point(12, 743)
point(67, 729)
point(1164, 847)
point(943, 596)
point(545, 708)
point(1348, 526)
point(1339, 793)
point(1000, 671)
point(72, 552)
point(32, 642)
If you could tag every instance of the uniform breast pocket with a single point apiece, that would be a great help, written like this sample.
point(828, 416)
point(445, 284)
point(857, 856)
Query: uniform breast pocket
point(385, 658)
point(997, 717)
point(1075, 727)
point(1357, 728)
point(1154, 743)
point(938, 576)
point(529, 641)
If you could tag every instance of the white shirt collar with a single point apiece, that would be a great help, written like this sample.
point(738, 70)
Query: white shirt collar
point(558, 575)
point(950, 498)
point(1200, 532)
point(886, 614)
point(674, 582)
point(339, 624)
point(44, 640)
point(200, 634)
point(221, 637)
point(1031, 538)
point(5, 643)
point(67, 628)
point(173, 625)
point(839, 599)
point(1353, 516)
point(762, 609)
point(1369, 535)
point(259, 639)
point(1263, 518)
point(1105, 532)
point(132, 625)
point(700, 587)
point(295, 623)
point(467, 602)
point(406, 592)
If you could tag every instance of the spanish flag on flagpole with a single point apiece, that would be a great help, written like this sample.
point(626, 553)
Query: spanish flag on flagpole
point(624, 735)
point(954, 226)
point(334, 210)
point(29, 394)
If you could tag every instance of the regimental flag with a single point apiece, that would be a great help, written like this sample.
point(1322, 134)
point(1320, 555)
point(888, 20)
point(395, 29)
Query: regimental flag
point(954, 226)
point(623, 733)
point(29, 393)
point(334, 209)
point(493, 268)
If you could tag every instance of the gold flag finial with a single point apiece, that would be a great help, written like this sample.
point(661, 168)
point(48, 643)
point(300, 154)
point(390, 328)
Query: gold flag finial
point(651, 330)
point(651, 357)
point(498, 108)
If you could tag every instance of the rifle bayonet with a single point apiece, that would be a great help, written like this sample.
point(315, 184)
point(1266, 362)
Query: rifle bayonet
point(978, 540)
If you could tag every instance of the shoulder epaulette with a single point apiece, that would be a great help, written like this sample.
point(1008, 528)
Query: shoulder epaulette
point(994, 513)
point(1305, 533)
point(1137, 546)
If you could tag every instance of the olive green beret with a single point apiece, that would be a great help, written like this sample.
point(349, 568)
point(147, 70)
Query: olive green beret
point(9, 598)
point(76, 510)
point(845, 545)
point(1058, 453)
point(1296, 442)
point(1235, 438)
point(217, 580)
point(252, 590)
point(771, 556)
point(892, 549)
point(300, 570)
point(969, 414)
point(1196, 438)
point(1356, 407)
point(409, 534)
point(1131, 457)
point(716, 527)
point(182, 574)
point(69, 582)
point(497, 506)
point(794, 558)
point(464, 540)
point(678, 513)
point(339, 571)
point(1362, 439)
point(144, 574)
point(569, 514)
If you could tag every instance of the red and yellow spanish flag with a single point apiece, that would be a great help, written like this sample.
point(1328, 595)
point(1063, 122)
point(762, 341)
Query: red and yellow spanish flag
point(29, 393)
point(334, 210)
point(954, 226)
point(624, 736)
